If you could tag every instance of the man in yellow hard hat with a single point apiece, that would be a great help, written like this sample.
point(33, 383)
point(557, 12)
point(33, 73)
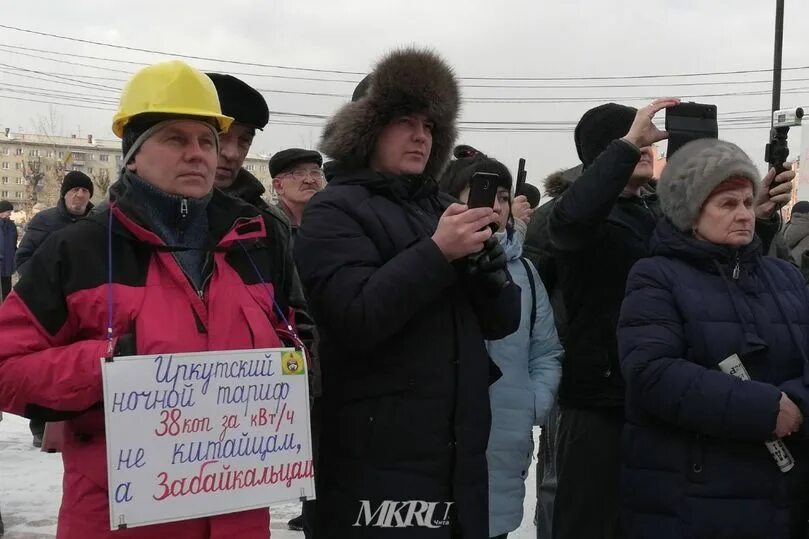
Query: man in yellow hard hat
point(188, 269)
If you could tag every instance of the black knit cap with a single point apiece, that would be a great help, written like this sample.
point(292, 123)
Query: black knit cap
point(600, 126)
point(75, 179)
point(5, 205)
point(241, 101)
point(458, 175)
point(286, 159)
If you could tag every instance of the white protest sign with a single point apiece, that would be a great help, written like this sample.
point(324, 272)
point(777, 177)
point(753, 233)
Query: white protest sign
point(194, 435)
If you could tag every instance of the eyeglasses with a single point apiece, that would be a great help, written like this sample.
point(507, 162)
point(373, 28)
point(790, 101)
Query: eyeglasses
point(302, 175)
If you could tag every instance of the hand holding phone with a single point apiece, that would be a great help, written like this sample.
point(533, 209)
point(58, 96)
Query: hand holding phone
point(643, 131)
point(462, 231)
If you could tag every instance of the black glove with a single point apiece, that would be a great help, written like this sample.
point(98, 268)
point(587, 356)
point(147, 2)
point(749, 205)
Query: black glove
point(490, 259)
point(488, 267)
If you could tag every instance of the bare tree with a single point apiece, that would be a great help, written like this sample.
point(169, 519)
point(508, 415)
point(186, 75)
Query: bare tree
point(49, 125)
point(55, 162)
point(102, 181)
point(34, 180)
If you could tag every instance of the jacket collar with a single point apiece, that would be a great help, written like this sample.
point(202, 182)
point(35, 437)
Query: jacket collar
point(404, 187)
point(229, 219)
point(246, 187)
point(667, 240)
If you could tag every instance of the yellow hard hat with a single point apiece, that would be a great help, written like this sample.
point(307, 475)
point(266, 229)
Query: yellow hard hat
point(169, 88)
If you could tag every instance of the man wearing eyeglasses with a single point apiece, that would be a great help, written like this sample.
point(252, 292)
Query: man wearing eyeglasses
point(296, 177)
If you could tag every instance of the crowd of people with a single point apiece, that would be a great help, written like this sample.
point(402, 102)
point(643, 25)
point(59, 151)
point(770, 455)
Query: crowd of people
point(441, 334)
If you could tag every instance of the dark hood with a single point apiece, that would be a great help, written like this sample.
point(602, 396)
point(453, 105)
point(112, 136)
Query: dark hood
point(558, 182)
point(797, 229)
point(246, 187)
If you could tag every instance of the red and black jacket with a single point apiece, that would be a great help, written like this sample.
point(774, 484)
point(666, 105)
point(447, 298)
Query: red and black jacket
point(54, 326)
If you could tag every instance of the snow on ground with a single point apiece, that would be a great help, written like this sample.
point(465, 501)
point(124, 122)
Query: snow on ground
point(31, 488)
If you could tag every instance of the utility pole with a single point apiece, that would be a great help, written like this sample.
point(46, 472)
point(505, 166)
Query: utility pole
point(779, 47)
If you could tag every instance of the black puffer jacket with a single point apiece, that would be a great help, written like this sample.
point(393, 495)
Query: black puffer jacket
point(405, 370)
point(43, 225)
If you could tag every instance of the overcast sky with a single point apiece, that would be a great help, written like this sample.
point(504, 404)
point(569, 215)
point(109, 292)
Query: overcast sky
point(507, 39)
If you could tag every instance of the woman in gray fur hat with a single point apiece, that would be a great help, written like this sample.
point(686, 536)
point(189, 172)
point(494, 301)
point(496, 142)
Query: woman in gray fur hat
point(403, 311)
point(695, 463)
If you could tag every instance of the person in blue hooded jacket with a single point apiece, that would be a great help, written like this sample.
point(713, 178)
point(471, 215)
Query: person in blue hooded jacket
point(695, 462)
point(529, 358)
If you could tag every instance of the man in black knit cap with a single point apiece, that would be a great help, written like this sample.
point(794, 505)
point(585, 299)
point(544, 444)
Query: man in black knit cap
point(74, 203)
point(598, 229)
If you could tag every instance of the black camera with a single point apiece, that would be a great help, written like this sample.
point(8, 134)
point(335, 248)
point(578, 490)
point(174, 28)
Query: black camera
point(777, 151)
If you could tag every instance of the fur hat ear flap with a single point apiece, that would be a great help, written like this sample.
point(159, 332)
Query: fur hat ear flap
point(406, 81)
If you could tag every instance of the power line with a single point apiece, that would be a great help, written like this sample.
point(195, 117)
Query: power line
point(547, 100)
point(64, 61)
point(142, 64)
point(317, 70)
point(76, 84)
point(112, 99)
point(165, 53)
point(4, 46)
point(103, 86)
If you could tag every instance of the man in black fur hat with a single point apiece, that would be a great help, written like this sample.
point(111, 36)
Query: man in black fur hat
point(403, 311)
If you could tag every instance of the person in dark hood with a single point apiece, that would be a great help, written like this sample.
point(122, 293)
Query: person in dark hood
point(598, 229)
point(296, 177)
point(694, 457)
point(402, 310)
point(8, 247)
point(74, 203)
point(796, 232)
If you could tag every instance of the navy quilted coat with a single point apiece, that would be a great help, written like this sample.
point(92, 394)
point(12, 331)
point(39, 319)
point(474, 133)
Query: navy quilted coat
point(694, 460)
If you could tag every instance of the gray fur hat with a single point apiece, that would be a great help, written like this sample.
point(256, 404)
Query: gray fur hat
point(405, 81)
point(694, 172)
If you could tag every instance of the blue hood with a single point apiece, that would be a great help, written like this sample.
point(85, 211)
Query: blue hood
point(511, 241)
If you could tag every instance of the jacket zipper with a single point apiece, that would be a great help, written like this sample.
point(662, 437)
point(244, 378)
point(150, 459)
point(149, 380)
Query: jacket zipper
point(183, 217)
point(737, 268)
point(201, 291)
